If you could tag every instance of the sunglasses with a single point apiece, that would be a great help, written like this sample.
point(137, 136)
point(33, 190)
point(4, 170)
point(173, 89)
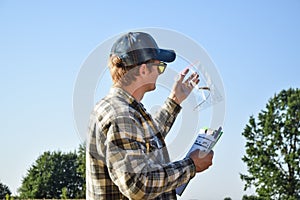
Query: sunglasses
point(161, 66)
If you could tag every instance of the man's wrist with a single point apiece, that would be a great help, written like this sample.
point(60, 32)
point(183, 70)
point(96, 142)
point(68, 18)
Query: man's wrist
point(174, 98)
point(193, 167)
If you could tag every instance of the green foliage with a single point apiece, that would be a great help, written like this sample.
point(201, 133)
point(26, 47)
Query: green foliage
point(64, 193)
point(273, 148)
point(81, 168)
point(52, 174)
point(4, 190)
point(252, 197)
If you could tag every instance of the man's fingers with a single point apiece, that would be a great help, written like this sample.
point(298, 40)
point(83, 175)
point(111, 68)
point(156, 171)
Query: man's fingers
point(183, 73)
point(196, 79)
point(193, 79)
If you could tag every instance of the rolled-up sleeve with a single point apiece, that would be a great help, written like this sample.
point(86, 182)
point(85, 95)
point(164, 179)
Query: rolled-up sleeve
point(166, 115)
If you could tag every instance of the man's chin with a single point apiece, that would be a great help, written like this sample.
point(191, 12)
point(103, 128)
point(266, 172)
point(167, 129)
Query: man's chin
point(151, 87)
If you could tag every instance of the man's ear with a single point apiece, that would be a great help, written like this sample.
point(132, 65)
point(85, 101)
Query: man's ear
point(143, 70)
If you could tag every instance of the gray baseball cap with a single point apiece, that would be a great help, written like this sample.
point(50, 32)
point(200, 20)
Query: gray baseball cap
point(135, 48)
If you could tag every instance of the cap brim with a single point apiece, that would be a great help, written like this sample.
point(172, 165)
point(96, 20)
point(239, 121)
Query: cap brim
point(166, 55)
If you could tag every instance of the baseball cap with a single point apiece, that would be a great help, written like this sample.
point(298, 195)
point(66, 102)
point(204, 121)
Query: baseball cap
point(135, 48)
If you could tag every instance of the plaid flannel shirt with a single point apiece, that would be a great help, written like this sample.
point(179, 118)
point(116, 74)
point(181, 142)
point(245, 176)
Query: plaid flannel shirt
point(126, 152)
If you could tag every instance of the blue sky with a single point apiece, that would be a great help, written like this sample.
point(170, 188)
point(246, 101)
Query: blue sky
point(255, 46)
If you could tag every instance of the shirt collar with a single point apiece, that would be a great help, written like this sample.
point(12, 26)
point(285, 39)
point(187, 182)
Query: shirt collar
point(117, 91)
point(122, 93)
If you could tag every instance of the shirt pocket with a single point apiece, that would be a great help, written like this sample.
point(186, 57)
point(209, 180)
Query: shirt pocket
point(154, 144)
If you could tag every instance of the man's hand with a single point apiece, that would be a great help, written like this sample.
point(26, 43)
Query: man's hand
point(202, 160)
point(182, 89)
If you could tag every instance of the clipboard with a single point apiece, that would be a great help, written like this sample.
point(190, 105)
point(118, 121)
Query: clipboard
point(205, 141)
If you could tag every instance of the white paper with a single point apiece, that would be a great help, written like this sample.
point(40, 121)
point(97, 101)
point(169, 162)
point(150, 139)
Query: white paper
point(205, 141)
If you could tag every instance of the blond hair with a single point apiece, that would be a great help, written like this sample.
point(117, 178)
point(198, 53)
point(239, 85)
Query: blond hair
point(121, 74)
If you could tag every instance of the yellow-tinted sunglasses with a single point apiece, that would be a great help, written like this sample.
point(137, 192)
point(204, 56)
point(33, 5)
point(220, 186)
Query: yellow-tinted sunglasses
point(161, 66)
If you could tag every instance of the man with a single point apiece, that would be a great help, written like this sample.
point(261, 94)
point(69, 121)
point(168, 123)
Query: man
point(126, 152)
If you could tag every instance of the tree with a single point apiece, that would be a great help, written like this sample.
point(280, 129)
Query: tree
point(51, 175)
point(64, 193)
point(81, 168)
point(4, 190)
point(252, 197)
point(273, 148)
